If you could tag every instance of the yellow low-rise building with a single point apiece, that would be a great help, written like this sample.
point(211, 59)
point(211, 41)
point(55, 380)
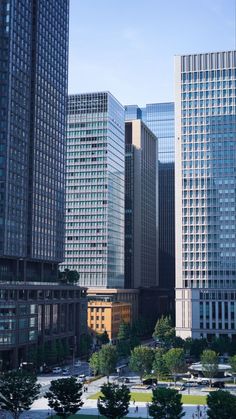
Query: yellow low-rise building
point(108, 315)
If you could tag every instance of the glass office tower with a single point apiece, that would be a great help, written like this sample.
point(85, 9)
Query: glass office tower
point(159, 117)
point(205, 195)
point(95, 190)
point(33, 91)
point(35, 310)
point(141, 206)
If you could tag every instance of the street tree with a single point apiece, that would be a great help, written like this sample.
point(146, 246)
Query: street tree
point(114, 401)
point(69, 276)
point(85, 345)
point(103, 338)
point(159, 365)
point(221, 404)
point(94, 363)
point(221, 345)
point(166, 404)
point(209, 361)
point(232, 362)
point(164, 331)
point(18, 391)
point(175, 361)
point(141, 360)
point(195, 346)
point(64, 396)
point(107, 359)
point(124, 331)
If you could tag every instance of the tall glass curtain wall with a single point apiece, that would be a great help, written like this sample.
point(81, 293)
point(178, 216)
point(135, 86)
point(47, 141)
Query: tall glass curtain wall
point(95, 190)
point(33, 90)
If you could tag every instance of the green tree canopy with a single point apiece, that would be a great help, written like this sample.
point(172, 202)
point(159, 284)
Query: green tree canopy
point(164, 331)
point(209, 361)
point(124, 331)
point(64, 396)
point(232, 362)
point(19, 390)
point(94, 363)
point(195, 346)
point(166, 404)
point(159, 365)
point(68, 276)
point(114, 401)
point(175, 361)
point(103, 338)
point(221, 405)
point(85, 344)
point(107, 359)
point(141, 360)
point(221, 345)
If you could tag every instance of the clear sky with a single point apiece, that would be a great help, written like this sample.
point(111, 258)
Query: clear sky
point(128, 46)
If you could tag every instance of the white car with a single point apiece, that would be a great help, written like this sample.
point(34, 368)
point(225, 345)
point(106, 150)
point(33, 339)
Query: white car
point(77, 364)
point(56, 370)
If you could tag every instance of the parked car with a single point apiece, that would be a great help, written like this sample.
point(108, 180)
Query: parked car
point(218, 384)
point(150, 381)
point(56, 370)
point(203, 382)
point(65, 371)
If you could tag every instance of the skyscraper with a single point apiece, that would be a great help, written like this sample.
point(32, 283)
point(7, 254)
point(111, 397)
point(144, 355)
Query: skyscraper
point(95, 190)
point(141, 206)
point(33, 83)
point(34, 309)
point(205, 194)
point(159, 118)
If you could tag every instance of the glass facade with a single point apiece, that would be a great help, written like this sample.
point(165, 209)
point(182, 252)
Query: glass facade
point(141, 201)
point(159, 117)
point(33, 91)
point(95, 190)
point(206, 146)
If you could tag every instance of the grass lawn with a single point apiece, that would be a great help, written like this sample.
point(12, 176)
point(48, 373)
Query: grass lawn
point(147, 397)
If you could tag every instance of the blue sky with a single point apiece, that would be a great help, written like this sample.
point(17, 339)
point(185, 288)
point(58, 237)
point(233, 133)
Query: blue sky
point(128, 46)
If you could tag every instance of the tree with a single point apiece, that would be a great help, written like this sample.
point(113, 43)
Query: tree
point(94, 363)
point(103, 338)
point(209, 361)
point(166, 404)
point(85, 344)
point(18, 391)
point(221, 404)
point(107, 359)
point(164, 331)
point(175, 361)
point(124, 331)
point(69, 277)
point(64, 396)
point(195, 346)
point(159, 365)
point(221, 345)
point(123, 348)
point(114, 402)
point(141, 360)
point(232, 362)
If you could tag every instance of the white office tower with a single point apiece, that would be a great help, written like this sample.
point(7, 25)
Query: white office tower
point(95, 156)
point(205, 180)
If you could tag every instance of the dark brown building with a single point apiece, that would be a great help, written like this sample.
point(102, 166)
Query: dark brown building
point(35, 314)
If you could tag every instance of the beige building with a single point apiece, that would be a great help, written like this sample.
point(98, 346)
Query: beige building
point(108, 315)
point(130, 296)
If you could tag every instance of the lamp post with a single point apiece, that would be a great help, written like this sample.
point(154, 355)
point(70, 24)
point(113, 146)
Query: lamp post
point(147, 405)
